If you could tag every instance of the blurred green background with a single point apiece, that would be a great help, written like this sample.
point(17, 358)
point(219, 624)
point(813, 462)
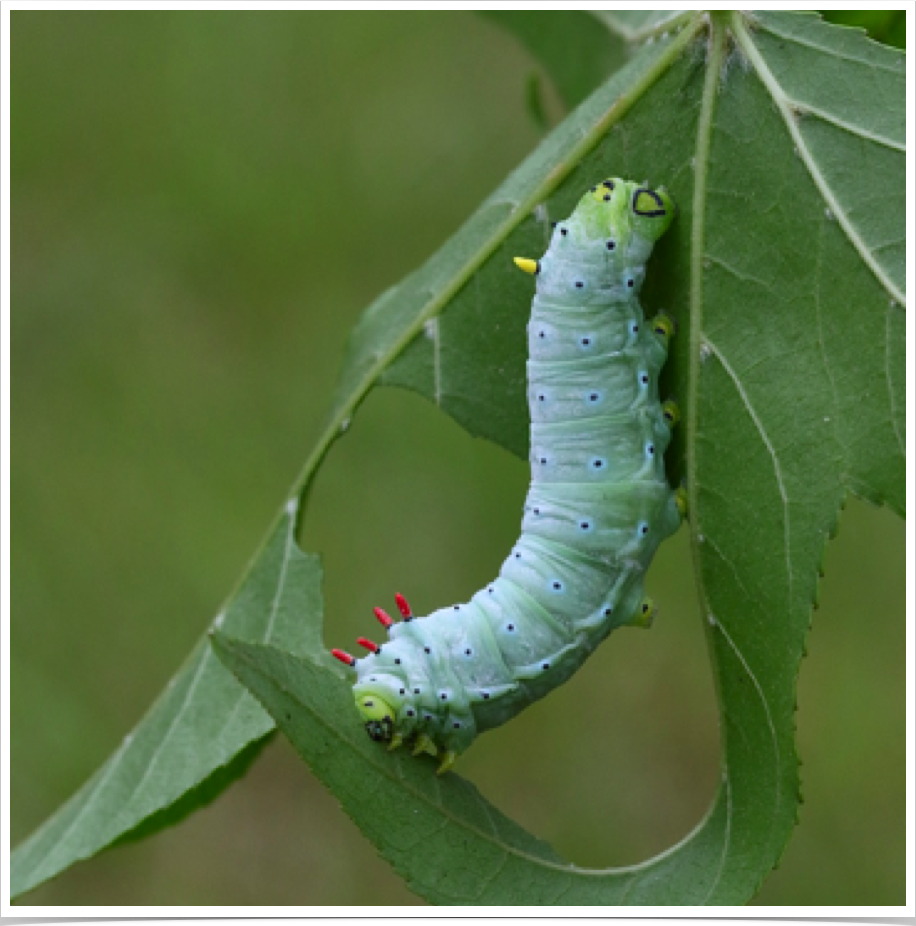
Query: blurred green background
point(202, 205)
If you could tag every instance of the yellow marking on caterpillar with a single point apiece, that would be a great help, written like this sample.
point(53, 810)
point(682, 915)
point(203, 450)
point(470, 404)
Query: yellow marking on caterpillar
point(374, 708)
point(526, 264)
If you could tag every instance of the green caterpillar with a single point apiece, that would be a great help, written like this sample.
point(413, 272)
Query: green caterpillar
point(598, 507)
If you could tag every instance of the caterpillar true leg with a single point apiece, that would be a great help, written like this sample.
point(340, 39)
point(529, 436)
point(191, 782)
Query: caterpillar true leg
point(598, 506)
point(448, 760)
point(671, 413)
point(680, 498)
point(663, 326)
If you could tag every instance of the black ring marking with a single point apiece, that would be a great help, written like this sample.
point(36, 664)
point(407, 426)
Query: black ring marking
point(655, 196)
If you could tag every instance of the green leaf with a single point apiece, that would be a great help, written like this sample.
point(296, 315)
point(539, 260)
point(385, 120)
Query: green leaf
point(471, 853)
point(202, 733)
point(787, 286)
point(887, 26)
point(785, 272)
point(469, 847)
point(603, 42)
point(641, 25)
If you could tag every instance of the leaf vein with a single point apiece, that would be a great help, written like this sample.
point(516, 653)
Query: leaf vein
point(726, 841)
point(281, 580)
point(805, 109)
point(784, 104)
point(738, 274)
point(777, 752)
point(761, 430)
point(90, 800)
point(728, 562)
point(185, 704)
point(795, 40)
point(492, 876)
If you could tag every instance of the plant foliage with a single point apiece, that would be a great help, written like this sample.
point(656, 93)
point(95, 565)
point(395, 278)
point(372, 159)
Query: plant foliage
point(782, 140)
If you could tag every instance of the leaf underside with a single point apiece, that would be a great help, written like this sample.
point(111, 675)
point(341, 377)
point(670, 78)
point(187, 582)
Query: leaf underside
point(782, 141)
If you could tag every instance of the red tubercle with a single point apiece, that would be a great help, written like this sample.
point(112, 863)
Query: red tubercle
point(403, 606)
point(384, 619)
point(368, 644)
point(345, 658)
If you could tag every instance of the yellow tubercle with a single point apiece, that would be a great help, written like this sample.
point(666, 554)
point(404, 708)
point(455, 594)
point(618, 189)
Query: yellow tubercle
point(526, 264)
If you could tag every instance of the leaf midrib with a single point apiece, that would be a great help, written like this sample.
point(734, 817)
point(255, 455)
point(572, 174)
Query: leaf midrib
point(715, 57)
point(699, 342)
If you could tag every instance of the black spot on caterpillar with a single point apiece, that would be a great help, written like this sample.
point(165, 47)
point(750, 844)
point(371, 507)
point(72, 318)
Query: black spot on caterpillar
point(597, 509)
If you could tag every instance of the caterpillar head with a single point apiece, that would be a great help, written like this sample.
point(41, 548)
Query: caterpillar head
point(377, 715)
point(620, 210)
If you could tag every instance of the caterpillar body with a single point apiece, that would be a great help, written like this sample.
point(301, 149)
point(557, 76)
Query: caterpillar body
point(597, 509)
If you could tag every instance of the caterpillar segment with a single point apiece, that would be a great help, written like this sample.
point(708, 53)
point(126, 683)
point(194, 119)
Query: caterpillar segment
point(598, 506)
